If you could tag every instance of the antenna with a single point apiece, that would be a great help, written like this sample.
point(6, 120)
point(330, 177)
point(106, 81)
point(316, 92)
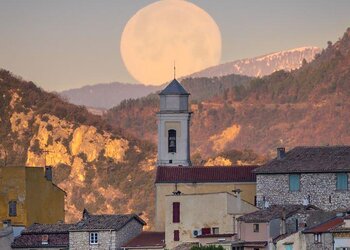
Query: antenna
point(174, 70)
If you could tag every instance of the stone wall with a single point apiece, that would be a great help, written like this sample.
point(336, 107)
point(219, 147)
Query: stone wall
point(128, 232)
point(320, 188)
point(106, 239)
point(81, 240)
point(325, 244)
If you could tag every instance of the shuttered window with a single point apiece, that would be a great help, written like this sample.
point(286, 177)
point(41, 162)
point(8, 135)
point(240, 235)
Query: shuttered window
point(342, 181)
point(176, 212)
point(206, 230)
point(294, 182)
point(176, 235)
point(12, 208)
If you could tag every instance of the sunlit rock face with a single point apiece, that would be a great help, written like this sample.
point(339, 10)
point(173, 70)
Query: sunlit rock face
point(102, 171)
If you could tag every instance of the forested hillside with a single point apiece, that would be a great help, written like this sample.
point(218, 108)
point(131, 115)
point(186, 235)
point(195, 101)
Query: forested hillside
point(307, 106)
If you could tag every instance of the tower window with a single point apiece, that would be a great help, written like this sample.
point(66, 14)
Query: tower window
point(172, 141)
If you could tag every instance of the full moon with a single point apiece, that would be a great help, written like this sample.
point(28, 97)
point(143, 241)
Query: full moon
point(165, 32)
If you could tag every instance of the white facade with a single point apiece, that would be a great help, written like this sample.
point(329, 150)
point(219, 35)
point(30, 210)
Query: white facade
point(173, 128)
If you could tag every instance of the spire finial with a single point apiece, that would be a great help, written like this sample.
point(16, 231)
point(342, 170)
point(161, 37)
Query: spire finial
point(174, 70)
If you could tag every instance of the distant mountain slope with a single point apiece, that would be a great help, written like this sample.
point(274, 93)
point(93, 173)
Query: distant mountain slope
point(106, 95)
point(308, 106)
point(109, 95)
point(262, 65)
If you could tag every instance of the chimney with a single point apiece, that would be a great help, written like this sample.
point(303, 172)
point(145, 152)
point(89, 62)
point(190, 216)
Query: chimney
point(86, 214)
point(284, 224)
point(281, 153)
point(48, 173)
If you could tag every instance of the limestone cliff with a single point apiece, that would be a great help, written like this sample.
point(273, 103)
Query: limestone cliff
point(98, 166)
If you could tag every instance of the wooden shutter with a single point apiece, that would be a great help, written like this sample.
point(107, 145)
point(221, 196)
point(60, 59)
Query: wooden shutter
point(176, 235)
point(176, 212)
point(206, 231)
point(342, 181)
point(294, 182)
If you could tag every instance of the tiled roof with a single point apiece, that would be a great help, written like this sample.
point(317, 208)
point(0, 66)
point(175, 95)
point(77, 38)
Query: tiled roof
point(105, 222)
point(174, 88)
point(273, 212)
point(250, 243)
point(147, 239)
point(205, 174)
point(325, 226)
point(310, 160)
point(35, 240)
point(215, 235)
point(48, 228)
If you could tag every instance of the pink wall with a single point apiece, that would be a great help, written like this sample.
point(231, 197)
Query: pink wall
point(246, 232)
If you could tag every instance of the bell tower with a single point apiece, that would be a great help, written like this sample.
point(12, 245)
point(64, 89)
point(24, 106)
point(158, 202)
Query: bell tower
point(174, 126)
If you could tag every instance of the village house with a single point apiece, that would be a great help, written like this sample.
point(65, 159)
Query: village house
point(47, 236)
point(27, 196)
point(263, 229)
point(174, 169)
point(306, 175)
point(91, 232)
point(104, 231)
point(197, 218)
point(146, 241)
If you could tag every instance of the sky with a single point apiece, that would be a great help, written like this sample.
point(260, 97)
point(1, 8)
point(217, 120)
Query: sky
point(64, 44)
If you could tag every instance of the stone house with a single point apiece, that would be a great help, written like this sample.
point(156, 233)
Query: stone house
point(197, 218)
point(146, 241)
point(44, 236)
point(306, 175)
point(28, 195)
point(201, 180)
point(104, 231)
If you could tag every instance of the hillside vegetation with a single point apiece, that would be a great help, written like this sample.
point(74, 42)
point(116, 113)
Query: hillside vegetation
point(307, 106)
point(99, 166)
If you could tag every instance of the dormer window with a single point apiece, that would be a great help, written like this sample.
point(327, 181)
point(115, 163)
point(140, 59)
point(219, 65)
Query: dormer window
point(172, 141)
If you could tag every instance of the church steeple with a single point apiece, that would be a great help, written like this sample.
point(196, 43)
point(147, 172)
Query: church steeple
point(173, 126)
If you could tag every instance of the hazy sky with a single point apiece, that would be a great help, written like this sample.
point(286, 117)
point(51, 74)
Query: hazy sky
point(65, 44)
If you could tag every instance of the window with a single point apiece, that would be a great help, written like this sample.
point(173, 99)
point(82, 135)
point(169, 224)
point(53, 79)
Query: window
point(45, 239)
point(215, 230)
point(93, 238)
point(176, 235)
point(176, 212)
point(288, 247)
point(172, 141)
point(206, 231)
point(294, 182)
point(255, 228)
point(13, 208)
point(317, 238)
point(342, 181)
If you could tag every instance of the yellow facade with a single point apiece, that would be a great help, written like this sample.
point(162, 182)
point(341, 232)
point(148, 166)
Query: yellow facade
point(163, 189)
point(37, 199)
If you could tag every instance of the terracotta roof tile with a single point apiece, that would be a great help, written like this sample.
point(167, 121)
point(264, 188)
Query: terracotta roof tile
point(325, 226)
point(205, 174)
point(310, 160)
point(147, 239)
point(35, 240)
point(105, 221)
point(273, 212)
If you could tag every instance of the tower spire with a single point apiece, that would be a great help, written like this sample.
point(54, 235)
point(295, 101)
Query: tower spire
point(174, 70)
